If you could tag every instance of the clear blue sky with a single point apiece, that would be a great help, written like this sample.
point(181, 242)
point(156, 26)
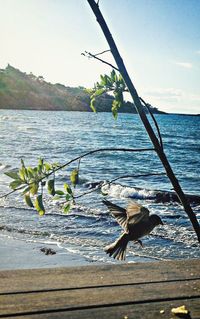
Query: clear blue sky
point(158, 39)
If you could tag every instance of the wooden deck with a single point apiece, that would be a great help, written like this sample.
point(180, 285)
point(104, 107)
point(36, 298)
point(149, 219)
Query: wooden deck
point(106, 291)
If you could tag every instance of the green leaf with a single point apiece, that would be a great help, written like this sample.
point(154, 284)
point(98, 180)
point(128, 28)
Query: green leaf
point(99, 92)
point(28, 200)
point(35, 170)
point(103, 193)
point(23, 173)
point(102, 79)
point(58, 192)
point(22, 162)
point(51, 187)
point(121, 80)
point(74, 177)
point(92, 102)
point(55, 165)
point(40, 165)
point(26, 190)
point(89, 91)
point(41, 212)
point(97, 86)
point(30, 172)
point(112, 74)
point(15, 184)
point(119, 97)
point(40, 161)
point(39, 205)
point(39, 169)
point(115, 113)
point(67, 208)
point(68, 197)
point(48, 166)
point(34, 188)
point(57, 197)
point(115, 106)
point(109, 82)
point(13, 175)
point(68, 188)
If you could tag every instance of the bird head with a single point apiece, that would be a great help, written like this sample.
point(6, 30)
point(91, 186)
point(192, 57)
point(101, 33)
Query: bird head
point(156, 220)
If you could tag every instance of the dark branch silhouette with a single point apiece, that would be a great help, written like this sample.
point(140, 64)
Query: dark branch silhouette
point(154, 120)
point(78, 158)
point(90, 55)
point(138, 105)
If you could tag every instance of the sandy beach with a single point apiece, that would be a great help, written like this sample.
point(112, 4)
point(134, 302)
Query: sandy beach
point(20, 254)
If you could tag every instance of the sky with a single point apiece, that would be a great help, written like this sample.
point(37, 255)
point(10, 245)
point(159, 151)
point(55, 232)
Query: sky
point(159, 41)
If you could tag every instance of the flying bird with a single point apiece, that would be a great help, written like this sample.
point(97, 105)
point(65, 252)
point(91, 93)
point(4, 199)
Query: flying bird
point(136, 223)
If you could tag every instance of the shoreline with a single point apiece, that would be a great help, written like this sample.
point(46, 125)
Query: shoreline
point(23, 254)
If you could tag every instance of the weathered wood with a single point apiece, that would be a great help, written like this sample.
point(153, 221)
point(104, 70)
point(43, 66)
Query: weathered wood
point(91, 276)
point(48, 301)
point(137, 311)
point(105, 291)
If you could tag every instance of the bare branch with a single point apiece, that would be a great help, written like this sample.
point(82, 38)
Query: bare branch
point(90, 191)
point(122, 69)
point(135, 176)
point(78, 158)
point(104, 150)
point(102, 52)
point(114, 180)
point(13, 191)
point(90, 55)
point(154, 120)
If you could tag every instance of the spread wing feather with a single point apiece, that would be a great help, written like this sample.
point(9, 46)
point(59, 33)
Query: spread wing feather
point(136, 213)
point(117, 212)
point(130, 216)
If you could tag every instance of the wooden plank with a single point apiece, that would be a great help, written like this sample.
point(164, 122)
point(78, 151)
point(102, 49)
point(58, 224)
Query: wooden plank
point(97, 297)
point(58, 278)
point(136, 311)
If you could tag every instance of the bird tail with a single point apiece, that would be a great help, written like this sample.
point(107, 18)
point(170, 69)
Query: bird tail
point(118, 248)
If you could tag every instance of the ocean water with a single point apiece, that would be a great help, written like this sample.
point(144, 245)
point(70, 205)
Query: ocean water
point(88, 228)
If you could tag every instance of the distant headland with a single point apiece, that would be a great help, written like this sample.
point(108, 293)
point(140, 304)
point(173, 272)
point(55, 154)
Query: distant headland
point(19, 90)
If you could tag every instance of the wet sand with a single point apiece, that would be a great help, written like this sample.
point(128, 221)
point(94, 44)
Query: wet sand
point(20, 254)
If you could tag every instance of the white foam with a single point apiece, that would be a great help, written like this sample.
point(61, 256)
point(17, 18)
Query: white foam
point(119, 191)
point(4, 118)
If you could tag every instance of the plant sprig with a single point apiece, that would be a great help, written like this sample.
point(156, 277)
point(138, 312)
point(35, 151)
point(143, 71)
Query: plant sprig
point(109, 83)
point(32, 181)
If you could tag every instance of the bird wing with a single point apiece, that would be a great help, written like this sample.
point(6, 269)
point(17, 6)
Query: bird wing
point(117, 212)
point(136, 213)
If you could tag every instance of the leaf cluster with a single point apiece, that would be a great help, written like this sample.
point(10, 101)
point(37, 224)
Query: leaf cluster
point(109, 83)
point(33, 181)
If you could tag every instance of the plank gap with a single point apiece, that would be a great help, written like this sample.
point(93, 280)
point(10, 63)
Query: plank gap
point(97, 287)
point(139, 302)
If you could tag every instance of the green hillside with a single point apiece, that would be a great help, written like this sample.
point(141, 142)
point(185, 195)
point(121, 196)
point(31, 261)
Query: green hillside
point(19, 90)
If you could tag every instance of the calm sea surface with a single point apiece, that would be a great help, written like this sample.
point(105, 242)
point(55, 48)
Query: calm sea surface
point(88, 228)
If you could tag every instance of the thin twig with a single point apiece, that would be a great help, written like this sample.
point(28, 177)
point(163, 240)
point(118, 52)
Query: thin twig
point(80, 157)
point(90, 55)
point(79, 163)
point(103, 150)
point(120, 64)
point(13, 191)
point(90, 191)
point(114, 180)
point(154, 120)
point(101, 52)
point(134, 176)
